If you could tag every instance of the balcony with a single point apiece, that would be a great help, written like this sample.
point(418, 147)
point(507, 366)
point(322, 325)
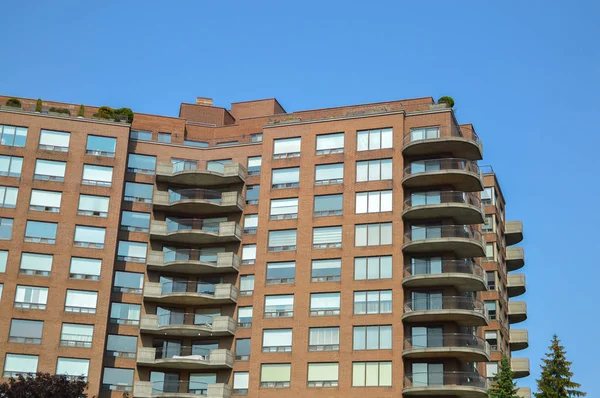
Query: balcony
point(519, 339)
point(195, 231)
point(198, 201)
point(180, 389)
point(185, 358)
point(450, 384)
point(465, 275)
point(193, 261)
point(201, 174)
point(517, 311)
point(465, 311)
point(515, 258)
point(513, 232)
point(463, 207)
point(516, 285)
point(190, 293)
point(187, 325)
point(464, 240)
point(449, 345)
point(524, 392)
point(464, 175)
point(520, 367)
point(460, 142)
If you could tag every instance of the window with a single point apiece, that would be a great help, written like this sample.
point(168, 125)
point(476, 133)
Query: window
point(134, 252)
point(374, 170)
point(10, 166)
point(426, 133)
point(97, 175)
point(135, 192)
point(6, 225)
point(73, 367)
point(133, 221)
point(326, 270)
point(379, 267)
point(491, 309)
point(226, 143)
point(164, 138)
point(280, 273)
point(240, 383)
point(279, 306)
point(489, 224)
point(44, 200)
point(125, 314)
point(257, 137)
point(372, 338)
point(284, 209)
point(8, 197)
point(286, 148)
point(90, 205)
point(254, 164)
point(242, 349)
point(31, 297)
point(3, 260)
point(489, 251)
point(36, 264)
point(491, 280)
point(17, 364)
point(284, 240)
point(327, 237)
point(85, 268)
point(324, 339)
point(138, 135)
point(54, 140)
point(76, 335)
point(117, 379)
point(25, 332)
point(121, 346)
point(40, 232)
point(374, 139)
point(277, 340)
point(81, 301)
point(491, 369)
point(373, 202)
point(49, 170)
point(197, 144)
point(244, 317)
point(373, 234)
point(371, 374)
point(250, 224)
point(246, 285)
point(90, 237)
point(252, 194)
point(373, 302)
point(101, 146)
point(488, 196)
point(330, 143)
point(326, 174)
point(328, 205)
point(323, 374)
point(275, 375)
point(491, 336)
point(248, 254)
point(141, 164)
point(324, 304)
point(217, 165)
point(286, 178)
point(13, 136)
point(128, 282)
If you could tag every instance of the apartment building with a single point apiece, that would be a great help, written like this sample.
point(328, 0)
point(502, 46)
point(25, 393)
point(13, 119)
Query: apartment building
point(345, 251)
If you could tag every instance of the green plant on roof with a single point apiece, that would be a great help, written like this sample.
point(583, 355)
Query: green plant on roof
point(38, 105)
point(446, 100)
point(81, 111)
point(14, 102)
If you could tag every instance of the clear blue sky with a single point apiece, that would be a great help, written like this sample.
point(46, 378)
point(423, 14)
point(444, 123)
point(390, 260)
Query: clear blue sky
point(525, 73)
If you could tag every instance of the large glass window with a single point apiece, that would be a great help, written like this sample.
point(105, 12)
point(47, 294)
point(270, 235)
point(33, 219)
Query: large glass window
point(373, 302)
point(132, 251)
point(248, 254)
point(164, 137)
point(90, 205)
point(256, 137)
point(31, 297)
point(252, 194)
point(141, 164)
point(140, 135)
point(286, 148)
point(374, 139)
point(240, 383)
point(97, 175)
point(25, 331)
point(277, 340)
point(275, 375)
point(136, 192)
point(491, 309)
point(10, 166)
point(327, 237)
point(81, 301)
point(91, 237)
point(8, 197)
point(424, 133)
point(283, 209)
point(283, 240)
point(6, 225)
point(128, 282)
point(328, 205)
point(330, 143)
point(488, 196)
point(117, 379)
point(76, 335)
point(18, 364)
point(134, 221)
point(244, 317)
point(72, 367)
point(242, 349)
point(324, 304)
point(286, 178)
point(323, 374)
point(13, 135)
point(254, 164)
point(377, 267)
point(101, 146)
point(371, 374)
point(36, 264)
point(246, 285)
point(85, 268)
point(280, 273)
point(326, 270)
point(3, 260)
point(373, 234)
point(54, 140)
point(121, 346)
point(326, 174)
point(374, 170)
point(45, 201)
point(250, 224)
point(125, 314)
point(372, 338)
point(373, 202)
point(324, 339)
point(49, 170)
point(489, 224)
point(41, 232)
point(279, 306)
point(491, 336)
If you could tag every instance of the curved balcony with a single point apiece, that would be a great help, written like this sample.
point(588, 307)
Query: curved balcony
point(516, 285)
point(201, 174)
point(448, 345)
point(193, 261)
point(520, 367)
point(464, 240)
point(198, 201)
point(465, 311)
point(517, 311)
point(185, 358)
point(463, 207)
point(187, 325)
point(513, 232)
point(460, 142)
point(180, 389)
point(524, 392)
point(451, 384)
point(519, 339)
point(515, 258)
point(463, 274)
point(464, 175)
point(195, 231)
point(190, 293)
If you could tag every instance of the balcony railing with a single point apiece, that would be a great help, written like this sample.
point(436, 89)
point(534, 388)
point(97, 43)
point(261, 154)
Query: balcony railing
point(445, 303)
point(443, 231)
point(446, 379)
point(467, 267)
point(210, 169)
point(188, 287)
point(192, 352)
point(178, 319)
point(433, 165)
point(446, 340)
point(460, 141)
point(147, 389)
point(208, 195)
point(443, 197)
point(432, 133)
point(185, 224)
point(186, 387)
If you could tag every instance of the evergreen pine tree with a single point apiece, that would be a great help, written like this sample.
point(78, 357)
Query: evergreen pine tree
point(555, 380)
point(503, 385)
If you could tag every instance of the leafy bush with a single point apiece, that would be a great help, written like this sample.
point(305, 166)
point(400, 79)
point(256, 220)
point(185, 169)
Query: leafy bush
point(446, 100)
point(64, 111)
point(120, 115)
point(14, 102)
point(124, 113)
point(81, 111)
point(38, 105)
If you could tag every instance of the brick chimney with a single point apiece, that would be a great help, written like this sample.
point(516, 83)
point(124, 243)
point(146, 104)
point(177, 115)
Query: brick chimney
point(204, 101)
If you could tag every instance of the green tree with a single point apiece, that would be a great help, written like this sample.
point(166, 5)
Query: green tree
point(503, 385)
point(43, 385)
point(555, 380)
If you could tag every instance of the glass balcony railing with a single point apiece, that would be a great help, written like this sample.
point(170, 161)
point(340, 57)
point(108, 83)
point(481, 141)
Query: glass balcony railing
point(176, 195)
point(467, 267)
point(188, 287)
point(446, 340)
point(446, 379)
point(445, 303)
point(443, 231)
point(443, 197)
point(189, 319)
point(181, 387)
point(187, 224)
point(434, 165)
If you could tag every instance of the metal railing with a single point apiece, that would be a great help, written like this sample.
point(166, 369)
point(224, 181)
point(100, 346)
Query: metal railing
point(445, 267)
point(445, 303)
point(185, 387)
point(443, 231)
point(434, 132)
point(428, 198)
point(447, 379)
point(188, 287)
point(191, 319)
point(184, 224)
point(425, 166)
point(194, 352)
point(446, 340)
point(176, 195)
